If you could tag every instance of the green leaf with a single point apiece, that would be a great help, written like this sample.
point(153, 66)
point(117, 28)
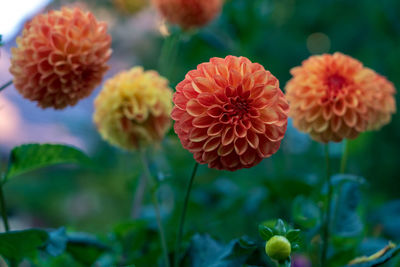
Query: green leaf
point(280, 228)
point(265, 232)
point(305, 212)
point(84, 248)
point(29, 157)
point(286, 263)
point(345, 220)
point(17, 245)
point(293, 235)
point(205, 251)
point(57, 242)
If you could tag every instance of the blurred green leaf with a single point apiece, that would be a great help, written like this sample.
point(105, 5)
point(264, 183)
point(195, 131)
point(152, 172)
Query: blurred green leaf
point(293, 235)
point(84, 248)
point(265, 232)
point(279, 228)
point(57, 242)
point(305, 212)
point(205, 252)
point(16, 245)
point(29, 157)
point(346, 221)
point(388, 215)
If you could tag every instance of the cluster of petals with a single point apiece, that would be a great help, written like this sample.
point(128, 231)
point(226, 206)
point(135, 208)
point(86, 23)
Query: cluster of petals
point(230, 113)
point(61, 57)
point(131, 6)
point(189, 13)
point(334, 97)
point(133, 109)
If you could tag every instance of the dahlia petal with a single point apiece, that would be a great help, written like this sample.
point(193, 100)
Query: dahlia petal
point(257, 91)
point(223, 71)
point(313, 114)
point(260, 77)
point(212, 144)
point(201, 85)
point(239, 130)
point(269, 116)
point(225, 150)
point(248, 82)
point(220, 81)
point(350, 118)
point(249, 157)
point(339, 108)
point(188, 91)
point(258, 126)
point(206, 99)
point(234, 78)
point(215, 111)
point(227, 136)
point(202, 121)
point(320, 124)
point(194, 108)
point(252, 139)
point(215, 129)
point(209, 156)
point(273, 134)
point(230, 161)
point(198, 134)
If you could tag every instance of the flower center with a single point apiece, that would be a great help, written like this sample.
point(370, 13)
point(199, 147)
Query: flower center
point(336, 82)
point(235, 110)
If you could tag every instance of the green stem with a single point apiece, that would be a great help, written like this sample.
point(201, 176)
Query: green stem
point(3, 209)
point(326, 228)
point(153, 189)
point(168, 54)
point(345, 154)
point(4, 86)
point(183, 215)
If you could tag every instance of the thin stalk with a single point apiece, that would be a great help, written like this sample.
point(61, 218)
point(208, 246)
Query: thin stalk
point(4, 86)
point(153, 189)
point(326, 228)
point(4, 209)
point(168, 55)
point(345, 155)
point(138, 197)
point(183, 215)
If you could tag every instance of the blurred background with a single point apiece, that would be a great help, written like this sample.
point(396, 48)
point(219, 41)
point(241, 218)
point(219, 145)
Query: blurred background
point(279, 34)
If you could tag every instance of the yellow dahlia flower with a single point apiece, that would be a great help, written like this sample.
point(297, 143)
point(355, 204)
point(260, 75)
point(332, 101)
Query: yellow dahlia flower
point(134, 108)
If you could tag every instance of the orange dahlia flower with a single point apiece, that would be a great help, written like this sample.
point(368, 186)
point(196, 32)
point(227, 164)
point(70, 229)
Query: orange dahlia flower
point(189, 13)
point(60, 57)
point(381, 102)
point(134, 109)
point(230, 113)
point(333, 97)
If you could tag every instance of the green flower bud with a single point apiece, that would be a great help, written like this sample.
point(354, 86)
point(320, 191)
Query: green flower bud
point(278, 248)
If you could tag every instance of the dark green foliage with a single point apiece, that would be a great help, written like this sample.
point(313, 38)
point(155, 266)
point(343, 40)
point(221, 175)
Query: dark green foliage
point(206, 252)
point(17, 245)
point(29, 157)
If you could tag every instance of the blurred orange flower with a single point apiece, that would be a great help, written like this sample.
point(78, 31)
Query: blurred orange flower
point(134, 109)
point(333, 97)
point(381, 102)
point(60, 57)
point(230, 113)
point(189, 13)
